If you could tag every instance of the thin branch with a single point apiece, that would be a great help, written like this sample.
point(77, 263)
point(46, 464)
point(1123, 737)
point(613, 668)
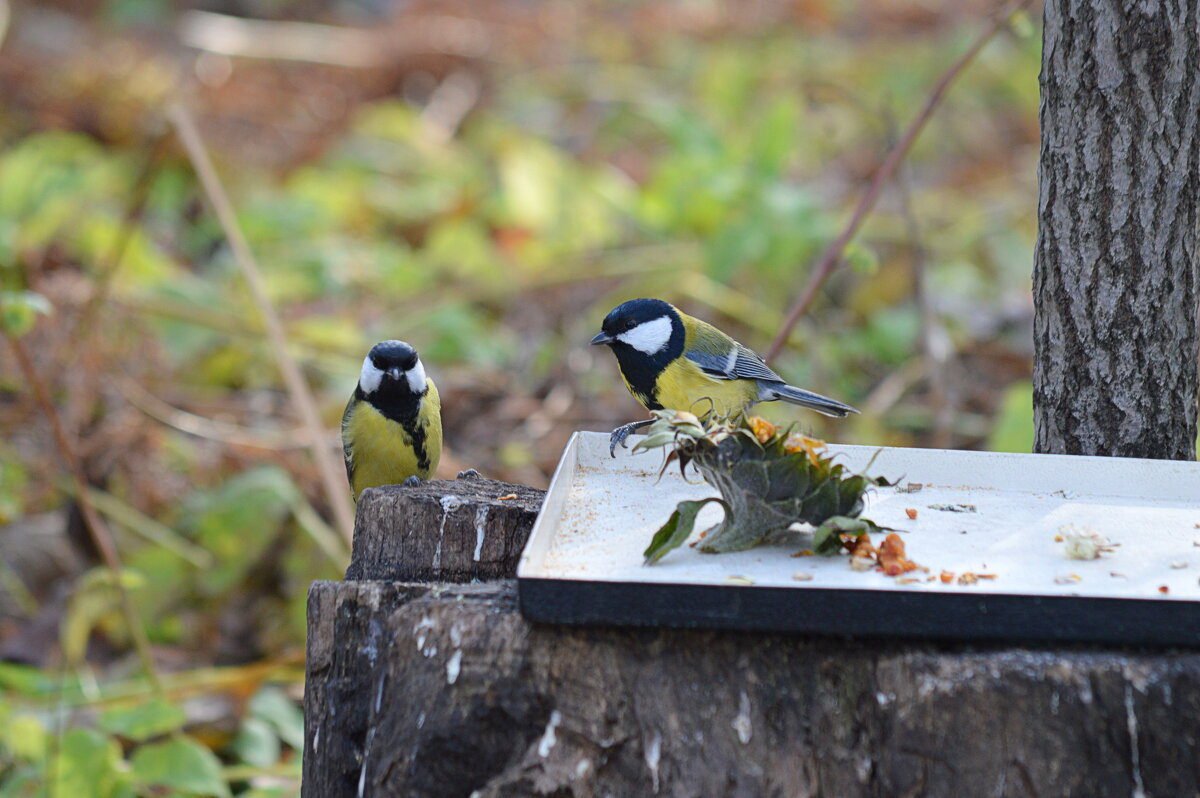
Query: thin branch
point(336, 491)
point(107, 270)
point(935, 344)
point(202, 427)
point(99, 532)
point(832, 255)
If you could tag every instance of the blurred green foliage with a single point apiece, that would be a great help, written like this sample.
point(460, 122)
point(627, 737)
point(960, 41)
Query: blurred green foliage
point(708, 170)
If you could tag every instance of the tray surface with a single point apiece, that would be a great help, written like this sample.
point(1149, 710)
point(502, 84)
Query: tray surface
point(601, 513)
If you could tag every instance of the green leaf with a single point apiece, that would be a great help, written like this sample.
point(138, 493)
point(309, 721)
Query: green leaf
point(256, 743)
point(677, 529)
point(1013, 430)
point(142, 722)
point(180, 763)
point(827, 537)
point(96, 602)
point(25, 736)
point(86, 765)
point(19, 311)
point(271, 704)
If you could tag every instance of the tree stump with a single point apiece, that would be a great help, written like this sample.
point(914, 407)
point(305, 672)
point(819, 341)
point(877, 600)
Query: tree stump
point(442, 531)
point(432, 690)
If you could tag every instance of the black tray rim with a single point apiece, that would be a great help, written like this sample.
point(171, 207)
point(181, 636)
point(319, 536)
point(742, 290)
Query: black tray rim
point(851, 612)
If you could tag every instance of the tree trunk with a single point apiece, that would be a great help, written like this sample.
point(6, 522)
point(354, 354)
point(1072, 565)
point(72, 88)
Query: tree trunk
point(1115, 275)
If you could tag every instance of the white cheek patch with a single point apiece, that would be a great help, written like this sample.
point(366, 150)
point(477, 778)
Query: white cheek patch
point(649, 336)
point(370, 377)
point(416, 378)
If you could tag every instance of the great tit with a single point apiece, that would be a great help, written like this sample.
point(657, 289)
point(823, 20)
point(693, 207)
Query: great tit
point(671, 360)
point(392, 427)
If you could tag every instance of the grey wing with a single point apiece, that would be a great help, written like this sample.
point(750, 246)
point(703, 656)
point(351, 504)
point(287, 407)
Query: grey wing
point(739, 363)
point(346, 451)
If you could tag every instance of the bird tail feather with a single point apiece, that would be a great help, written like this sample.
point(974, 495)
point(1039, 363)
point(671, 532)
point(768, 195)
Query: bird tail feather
point(813, 401)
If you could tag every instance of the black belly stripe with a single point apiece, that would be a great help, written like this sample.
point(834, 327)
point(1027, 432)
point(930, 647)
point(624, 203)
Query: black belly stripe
point(416, 432)
point(404, 408)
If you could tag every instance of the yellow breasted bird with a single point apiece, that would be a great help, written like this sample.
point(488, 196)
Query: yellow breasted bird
point(671, 360)
point(392, 427)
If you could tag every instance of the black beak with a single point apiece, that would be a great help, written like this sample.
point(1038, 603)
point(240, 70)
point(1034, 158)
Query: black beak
point(602, 338)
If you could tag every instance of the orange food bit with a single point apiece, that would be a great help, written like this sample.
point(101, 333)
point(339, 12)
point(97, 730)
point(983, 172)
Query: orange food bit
point(1164, 589)
point(947, 577)
point(862, 547)
point(891, 556)
point(802, 443)
point(911, 513)
point(763, 430)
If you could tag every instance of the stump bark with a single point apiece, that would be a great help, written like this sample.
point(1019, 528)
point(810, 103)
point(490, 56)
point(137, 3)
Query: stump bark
point(445, 690)
point(442, 531)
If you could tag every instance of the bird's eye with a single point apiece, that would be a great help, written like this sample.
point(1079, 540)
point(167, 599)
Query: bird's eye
point(630, 324)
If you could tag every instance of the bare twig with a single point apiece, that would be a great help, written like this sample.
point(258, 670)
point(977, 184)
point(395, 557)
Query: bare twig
point(832, 255)
point(99, 532)
point(108, 268)
point(334, 45)
point(336, 491)
point(935, 344)
point(207, 428)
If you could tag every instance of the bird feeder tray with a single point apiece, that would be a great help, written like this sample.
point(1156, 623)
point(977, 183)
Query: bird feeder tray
point(991, 532)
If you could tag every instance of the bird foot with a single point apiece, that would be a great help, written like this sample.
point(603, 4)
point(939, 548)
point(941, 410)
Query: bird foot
point(622, 432)
point(470, 473)
point(412, 481)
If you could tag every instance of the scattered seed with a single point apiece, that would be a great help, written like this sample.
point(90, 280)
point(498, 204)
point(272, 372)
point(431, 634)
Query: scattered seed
point(953, 508)
point(804, 553)
point(738, 580)
point(861, 563)
point(947, 577)
point(802, 576)
point(1068, 579)
point(968, 578)
point(1178, 564)
point(1116, 574)
point(907, 580)
point(912, 487)
point(1083, 542)
point(1164, 589)
point(1066, 494)
point(911, 513)
point(509, 497)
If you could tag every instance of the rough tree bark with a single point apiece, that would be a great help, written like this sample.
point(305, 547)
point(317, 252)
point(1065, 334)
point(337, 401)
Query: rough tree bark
point(1115, 273)
point(447, 692)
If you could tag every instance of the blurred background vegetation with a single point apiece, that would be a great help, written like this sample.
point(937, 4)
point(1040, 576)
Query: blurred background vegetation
point(484, 180)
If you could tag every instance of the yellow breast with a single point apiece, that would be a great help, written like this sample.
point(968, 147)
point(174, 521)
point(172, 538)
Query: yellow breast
point(382, 450)
point(683, 386)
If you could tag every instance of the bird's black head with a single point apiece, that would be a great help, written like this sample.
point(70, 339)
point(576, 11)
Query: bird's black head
point(388, 355)
point(391, 372)
point(645, 335)
point(647, 325)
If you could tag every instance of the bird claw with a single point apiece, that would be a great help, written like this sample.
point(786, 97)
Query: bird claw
point(412, 481)
point(622, 432)
point(470, 473)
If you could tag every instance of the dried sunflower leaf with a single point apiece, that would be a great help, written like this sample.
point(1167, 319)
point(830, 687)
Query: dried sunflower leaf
point(677, 529)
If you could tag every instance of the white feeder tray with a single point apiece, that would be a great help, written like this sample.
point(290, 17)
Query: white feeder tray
point(583, 561)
